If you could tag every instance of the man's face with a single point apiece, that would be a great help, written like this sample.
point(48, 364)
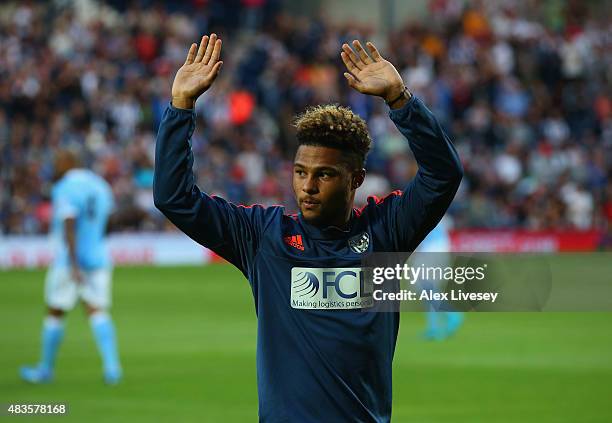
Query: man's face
point(324, 185)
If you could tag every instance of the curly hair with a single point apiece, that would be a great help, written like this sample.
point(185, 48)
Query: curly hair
point(335, 126)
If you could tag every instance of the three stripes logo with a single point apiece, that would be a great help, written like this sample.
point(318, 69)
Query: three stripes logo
point(294, 241)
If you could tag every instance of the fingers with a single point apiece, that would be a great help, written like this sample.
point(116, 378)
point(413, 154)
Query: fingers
point(352, 81)
point(374, 52)
point(212, 75)
point(209, 50)
point(362, 53)
point(203, 45)
point(212, 44)
point(191, 54)
point(350, 66)
point(216, 69)
point(350, 59)
point(216, 52)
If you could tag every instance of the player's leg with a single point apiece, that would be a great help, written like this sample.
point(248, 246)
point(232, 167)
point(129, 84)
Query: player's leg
point(60, 296)
point(443, 323)
point(104, 333)
point(433, 328)
point(454, 319)
point(96, 294)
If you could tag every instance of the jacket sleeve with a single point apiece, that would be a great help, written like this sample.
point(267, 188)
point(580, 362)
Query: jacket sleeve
point(232, 231)
point(414, 212)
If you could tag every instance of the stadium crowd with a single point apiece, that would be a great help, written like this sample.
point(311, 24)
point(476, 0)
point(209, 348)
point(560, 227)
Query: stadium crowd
point(524, 89)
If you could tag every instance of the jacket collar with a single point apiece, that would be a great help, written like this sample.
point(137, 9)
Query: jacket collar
point(327, 232)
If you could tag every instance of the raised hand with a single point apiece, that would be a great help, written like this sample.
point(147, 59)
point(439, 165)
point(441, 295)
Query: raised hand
point(197, 73)
point(370, 73)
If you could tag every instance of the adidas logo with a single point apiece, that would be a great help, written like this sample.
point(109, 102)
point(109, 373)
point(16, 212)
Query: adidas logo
point(294, 241)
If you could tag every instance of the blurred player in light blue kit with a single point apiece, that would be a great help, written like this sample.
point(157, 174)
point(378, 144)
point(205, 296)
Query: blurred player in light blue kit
point(81, 270)
point(440, 325)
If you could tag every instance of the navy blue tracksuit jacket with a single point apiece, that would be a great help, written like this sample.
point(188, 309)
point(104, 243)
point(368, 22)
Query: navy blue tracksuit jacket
point(319, 357)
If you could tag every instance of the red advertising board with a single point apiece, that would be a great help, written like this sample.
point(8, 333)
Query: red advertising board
point(490, 240)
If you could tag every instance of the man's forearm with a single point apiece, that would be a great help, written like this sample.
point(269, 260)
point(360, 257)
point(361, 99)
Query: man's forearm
point(173, 177)
point(70, 234)
point(428, 195)
point(207, 220)
point(432, 148)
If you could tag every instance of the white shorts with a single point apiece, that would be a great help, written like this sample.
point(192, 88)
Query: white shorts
point(62, 292)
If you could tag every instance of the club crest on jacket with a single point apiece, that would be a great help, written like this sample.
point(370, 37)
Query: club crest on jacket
point(359, 243)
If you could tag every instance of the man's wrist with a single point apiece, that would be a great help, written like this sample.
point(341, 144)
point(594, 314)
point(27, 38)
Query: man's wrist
point(393, 93)
point(399, 99)
point(186, 103)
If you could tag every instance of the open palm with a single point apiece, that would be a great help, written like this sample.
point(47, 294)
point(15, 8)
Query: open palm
point(199, 70)
point(370, 73)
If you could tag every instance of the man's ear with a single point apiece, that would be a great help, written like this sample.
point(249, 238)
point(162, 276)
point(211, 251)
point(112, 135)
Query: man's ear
point(358, 178)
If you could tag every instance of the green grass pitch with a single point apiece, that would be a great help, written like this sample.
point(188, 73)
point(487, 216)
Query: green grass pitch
point(187, 342)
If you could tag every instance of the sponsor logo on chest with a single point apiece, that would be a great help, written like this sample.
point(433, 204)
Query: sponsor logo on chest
point(330, 288)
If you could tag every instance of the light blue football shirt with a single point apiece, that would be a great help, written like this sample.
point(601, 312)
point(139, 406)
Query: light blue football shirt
point(88, 198)
point(438, 240)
